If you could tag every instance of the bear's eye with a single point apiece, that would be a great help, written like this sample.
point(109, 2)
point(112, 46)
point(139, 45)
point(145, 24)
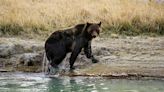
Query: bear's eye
point(97, 31)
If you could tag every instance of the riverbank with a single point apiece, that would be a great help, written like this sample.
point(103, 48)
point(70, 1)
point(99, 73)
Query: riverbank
point(126, 57)
point(119, 57)
point(17, 54)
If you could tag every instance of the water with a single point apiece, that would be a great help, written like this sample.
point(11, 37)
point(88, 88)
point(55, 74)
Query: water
point(45, 64)
point(37, 82)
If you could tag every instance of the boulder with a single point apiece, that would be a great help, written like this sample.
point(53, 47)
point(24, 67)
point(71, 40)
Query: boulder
point(31, 59)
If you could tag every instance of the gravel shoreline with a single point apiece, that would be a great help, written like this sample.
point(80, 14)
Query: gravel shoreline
point(119, 57)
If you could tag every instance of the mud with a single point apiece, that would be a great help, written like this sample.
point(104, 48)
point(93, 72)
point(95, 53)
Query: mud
point(125, 57)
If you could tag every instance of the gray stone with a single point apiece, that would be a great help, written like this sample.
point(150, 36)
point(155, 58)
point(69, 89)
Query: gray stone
point(7, 50)
point(30, 59)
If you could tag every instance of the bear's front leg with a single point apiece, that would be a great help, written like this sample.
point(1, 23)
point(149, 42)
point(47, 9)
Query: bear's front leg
point(88, 52)
point(94, 60)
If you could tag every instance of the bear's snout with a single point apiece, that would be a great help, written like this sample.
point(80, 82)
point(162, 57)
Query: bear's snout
point(94, 34)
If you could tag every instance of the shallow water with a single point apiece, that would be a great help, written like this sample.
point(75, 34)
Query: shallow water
point(37, 82)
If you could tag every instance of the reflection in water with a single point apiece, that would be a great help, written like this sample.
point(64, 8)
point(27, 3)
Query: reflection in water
point(39, 83)
point(68, 84)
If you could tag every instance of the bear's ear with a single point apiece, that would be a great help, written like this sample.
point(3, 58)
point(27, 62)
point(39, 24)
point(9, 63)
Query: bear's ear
point(88, 24)
point(99, 24)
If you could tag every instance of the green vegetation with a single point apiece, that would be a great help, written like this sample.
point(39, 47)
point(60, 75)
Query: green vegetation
point(40, 17)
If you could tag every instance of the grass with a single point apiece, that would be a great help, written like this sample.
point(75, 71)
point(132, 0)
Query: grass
point(127, 17)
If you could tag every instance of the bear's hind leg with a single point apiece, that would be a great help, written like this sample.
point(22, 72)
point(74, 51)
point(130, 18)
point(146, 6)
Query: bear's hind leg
point(55, 62)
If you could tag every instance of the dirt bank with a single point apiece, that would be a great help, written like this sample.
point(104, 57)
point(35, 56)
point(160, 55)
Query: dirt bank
point(18, 54)
point(123, 56)
point(129, 56)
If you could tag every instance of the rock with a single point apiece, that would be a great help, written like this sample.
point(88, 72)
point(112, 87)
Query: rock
point(31, 59)
point(2, 62)
point(114, 35)
point(19, 54)
point(101, 51)
point(7, 50)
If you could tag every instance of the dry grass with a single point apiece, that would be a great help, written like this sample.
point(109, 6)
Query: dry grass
point(130, 17)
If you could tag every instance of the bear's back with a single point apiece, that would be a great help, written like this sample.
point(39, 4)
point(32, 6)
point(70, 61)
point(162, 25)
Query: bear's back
point(65, 33)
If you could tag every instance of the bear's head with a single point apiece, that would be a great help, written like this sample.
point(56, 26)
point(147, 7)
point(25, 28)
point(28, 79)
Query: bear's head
point(93, 29)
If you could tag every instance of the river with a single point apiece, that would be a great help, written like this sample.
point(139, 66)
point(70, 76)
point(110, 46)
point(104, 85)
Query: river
point(38, 82)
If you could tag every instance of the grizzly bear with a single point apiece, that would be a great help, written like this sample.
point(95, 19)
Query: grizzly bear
point(71, 40)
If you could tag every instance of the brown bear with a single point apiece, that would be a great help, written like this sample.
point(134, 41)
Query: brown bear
point(71, 40)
